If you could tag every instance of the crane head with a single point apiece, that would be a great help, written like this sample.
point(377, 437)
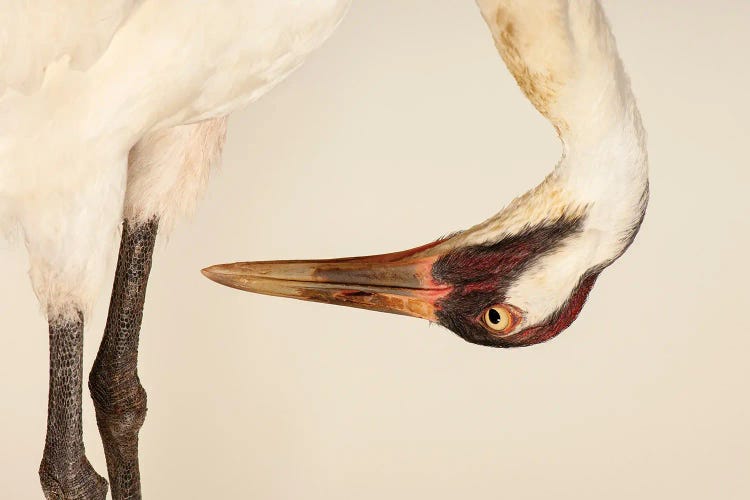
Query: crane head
point(515, 289)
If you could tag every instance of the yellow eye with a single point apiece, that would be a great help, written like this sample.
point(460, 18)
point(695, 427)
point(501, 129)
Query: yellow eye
point(499, 319)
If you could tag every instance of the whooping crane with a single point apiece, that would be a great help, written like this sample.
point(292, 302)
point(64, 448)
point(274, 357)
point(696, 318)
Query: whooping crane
point(116, 110)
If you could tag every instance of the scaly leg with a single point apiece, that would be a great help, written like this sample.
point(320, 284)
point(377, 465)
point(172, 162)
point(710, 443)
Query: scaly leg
point(119, 398)
point(65, 472)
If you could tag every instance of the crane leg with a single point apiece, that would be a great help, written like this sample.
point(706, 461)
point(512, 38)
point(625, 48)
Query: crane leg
point(119, 398)
point(65, 472)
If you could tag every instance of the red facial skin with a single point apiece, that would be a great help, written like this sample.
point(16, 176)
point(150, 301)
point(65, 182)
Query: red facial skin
point(480, 276)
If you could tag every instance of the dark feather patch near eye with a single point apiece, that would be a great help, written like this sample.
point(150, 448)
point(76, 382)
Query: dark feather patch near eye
point(482, 274)
point(506, 258)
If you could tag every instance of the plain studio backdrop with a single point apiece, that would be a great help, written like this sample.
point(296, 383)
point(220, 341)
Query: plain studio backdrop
point(405, 126)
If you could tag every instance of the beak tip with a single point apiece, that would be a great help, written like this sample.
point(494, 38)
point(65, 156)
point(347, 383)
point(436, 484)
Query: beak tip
point(210, 272)
point(225, 274)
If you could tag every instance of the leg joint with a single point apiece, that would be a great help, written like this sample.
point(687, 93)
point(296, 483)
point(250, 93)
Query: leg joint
point(119, 399)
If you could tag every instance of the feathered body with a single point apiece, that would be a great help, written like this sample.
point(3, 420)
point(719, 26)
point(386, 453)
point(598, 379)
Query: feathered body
point(85, 85)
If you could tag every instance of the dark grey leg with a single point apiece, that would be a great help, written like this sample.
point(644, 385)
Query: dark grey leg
point(119, 398)
point(65, 473)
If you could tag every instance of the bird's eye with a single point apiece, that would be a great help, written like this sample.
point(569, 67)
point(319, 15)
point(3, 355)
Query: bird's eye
point(499, 318)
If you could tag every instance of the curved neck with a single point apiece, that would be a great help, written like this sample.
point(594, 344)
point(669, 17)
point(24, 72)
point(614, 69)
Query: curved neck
point(609, 177)
point(564, 58)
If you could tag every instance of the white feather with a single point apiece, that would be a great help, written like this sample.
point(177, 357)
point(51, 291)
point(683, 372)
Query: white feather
point(168, 170)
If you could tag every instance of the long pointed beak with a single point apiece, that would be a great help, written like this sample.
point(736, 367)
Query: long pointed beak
point(399, 283)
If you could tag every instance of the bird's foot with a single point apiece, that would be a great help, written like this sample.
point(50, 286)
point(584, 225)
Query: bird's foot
point(71, 480)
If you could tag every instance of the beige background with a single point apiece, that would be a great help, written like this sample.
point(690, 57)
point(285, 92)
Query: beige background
point(404, 127)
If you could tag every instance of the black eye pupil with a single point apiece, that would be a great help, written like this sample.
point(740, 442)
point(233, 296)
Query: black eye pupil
point(494, 316)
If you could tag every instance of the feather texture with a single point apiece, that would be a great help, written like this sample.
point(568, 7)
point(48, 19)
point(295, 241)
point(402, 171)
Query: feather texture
point(36, 33)
point(168, 170)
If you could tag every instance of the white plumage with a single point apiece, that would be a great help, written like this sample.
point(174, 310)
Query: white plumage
point(85, 83)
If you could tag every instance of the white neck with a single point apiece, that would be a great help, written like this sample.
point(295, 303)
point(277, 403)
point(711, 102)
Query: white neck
point(563, 56)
